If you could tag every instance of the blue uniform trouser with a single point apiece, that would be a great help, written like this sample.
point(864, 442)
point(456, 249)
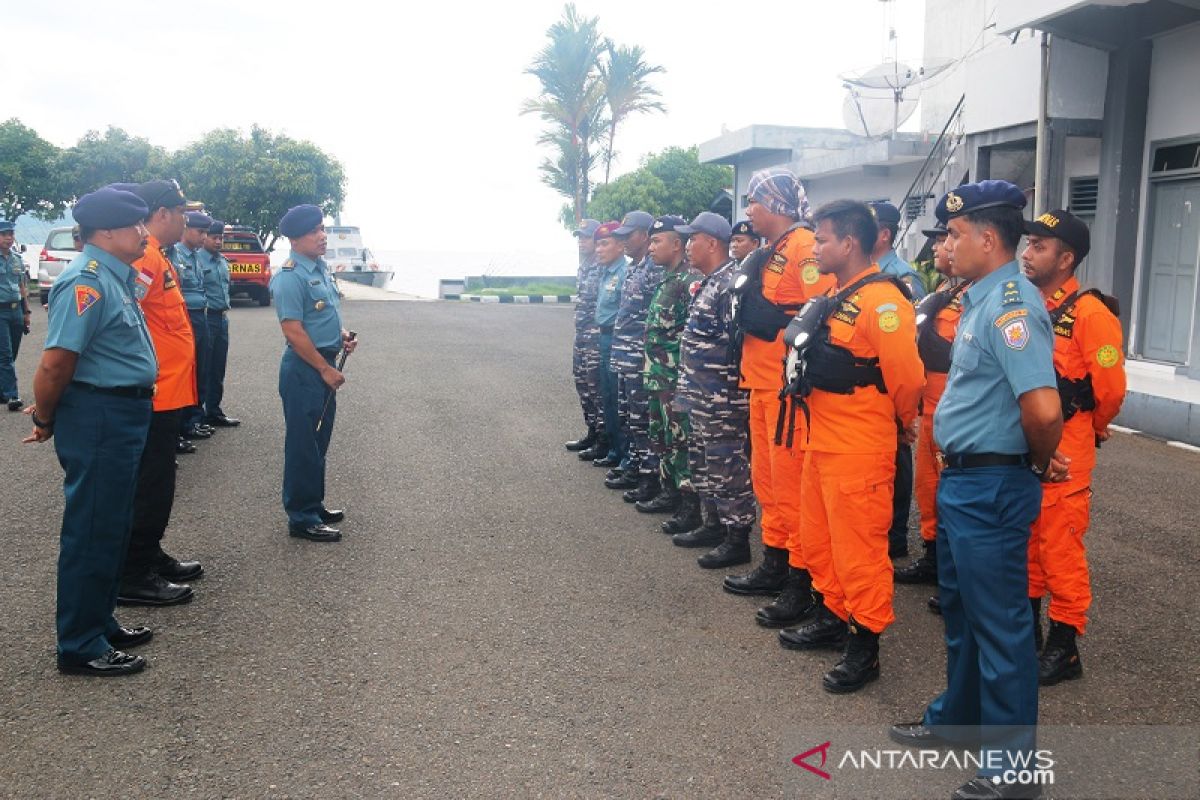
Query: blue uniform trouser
point(12, 328)
point(99, 439)
point(608, 391)
point(195, 414)
point(304, 447)
point(218, 355)
point(984, 518)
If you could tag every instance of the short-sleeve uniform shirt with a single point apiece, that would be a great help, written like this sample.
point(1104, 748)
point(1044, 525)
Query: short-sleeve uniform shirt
point(304, 291)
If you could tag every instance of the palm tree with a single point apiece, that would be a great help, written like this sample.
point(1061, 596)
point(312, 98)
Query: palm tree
point(627, 91)
point(572, 98)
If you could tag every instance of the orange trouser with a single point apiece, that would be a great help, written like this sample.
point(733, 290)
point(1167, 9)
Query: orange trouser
point(776, 473)
point(1057, 557)
point(847, 511)
point(926, 481)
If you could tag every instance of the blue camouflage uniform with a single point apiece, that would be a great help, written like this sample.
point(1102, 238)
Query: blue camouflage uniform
point(608, 301)
point(585, 355)
point(719, 410)
point(303, 290)
point(12, 319)
point(215, 268)
point(1004, 348)
point(628, 359)
point(191, 282)
point(100, 430)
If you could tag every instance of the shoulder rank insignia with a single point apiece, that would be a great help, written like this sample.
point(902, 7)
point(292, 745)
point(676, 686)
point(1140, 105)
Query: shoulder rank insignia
point(92, 265)
point(1012, 294)
point(85, 298)
point(289, 264)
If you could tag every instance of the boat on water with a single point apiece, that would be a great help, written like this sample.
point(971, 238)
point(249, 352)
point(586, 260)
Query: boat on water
point(349, 260)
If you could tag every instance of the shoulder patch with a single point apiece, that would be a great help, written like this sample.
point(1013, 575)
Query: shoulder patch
point(1016, 334)
point(1108, 356)
point(1009, 316)
point(777, 263)
point(886, 307)
point(809, 272)
point(889, 321)
point(85, 298)
point(694, 287)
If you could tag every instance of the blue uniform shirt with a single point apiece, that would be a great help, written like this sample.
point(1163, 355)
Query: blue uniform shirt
point(1004, 348)
point(12, 277)
point(93, 313)
point(608, 299)
point(216, 279)
point(191, 276)
point(893, 264)
point(304, 291)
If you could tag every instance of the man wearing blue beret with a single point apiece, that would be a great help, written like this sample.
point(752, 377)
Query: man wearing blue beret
point(92, 394)
point(185, 256)
point(308, 307)
point(997, 428)
point(216, 290)
point(14, 314)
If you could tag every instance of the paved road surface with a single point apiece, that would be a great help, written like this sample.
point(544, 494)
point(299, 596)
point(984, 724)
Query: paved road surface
point(495, 622)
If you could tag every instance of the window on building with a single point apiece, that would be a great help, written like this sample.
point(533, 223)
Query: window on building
point(1170, 158)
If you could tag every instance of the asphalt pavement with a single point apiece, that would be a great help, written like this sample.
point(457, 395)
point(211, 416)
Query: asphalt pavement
point(496, 623)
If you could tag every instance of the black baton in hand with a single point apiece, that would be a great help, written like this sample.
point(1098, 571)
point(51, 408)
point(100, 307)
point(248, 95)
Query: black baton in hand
point(329, 392)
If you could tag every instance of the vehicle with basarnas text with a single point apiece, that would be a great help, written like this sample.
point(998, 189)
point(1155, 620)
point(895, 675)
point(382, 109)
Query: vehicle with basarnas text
point(249, 264)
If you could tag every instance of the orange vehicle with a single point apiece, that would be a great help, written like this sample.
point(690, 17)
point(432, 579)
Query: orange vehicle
point(249, 264)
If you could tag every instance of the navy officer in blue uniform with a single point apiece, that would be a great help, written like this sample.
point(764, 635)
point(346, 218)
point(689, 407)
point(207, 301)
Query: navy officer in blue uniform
point(185, 256)
point(14, 314)
point(92, 394)
point(307, 304)
point(216, 289)
point(997, 429)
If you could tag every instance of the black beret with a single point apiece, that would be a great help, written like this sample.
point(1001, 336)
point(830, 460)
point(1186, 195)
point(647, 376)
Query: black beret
point(300, 220)
point(197, 219)
point(744, 228)
point(971, 197)
point(108, 208)
point(160, 194)
point(217, 228)
point(1064, 225)
point(885, 214)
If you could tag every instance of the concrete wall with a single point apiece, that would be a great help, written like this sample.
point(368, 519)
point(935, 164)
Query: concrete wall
point(1078, 80)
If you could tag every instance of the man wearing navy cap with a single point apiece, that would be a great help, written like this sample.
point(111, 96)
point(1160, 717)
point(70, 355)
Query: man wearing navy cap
point(744, 242)
point(216, 293)
point(610, 256)
point(92, 394)
point(585, 354)
point(14, 314)
point(192, 277)
point(997, 428)
point(308, 307)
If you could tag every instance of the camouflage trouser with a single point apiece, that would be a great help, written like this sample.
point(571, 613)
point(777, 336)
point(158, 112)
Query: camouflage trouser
point(669, 435)
point(585, 365)
point(635, 421)
point(721, 469)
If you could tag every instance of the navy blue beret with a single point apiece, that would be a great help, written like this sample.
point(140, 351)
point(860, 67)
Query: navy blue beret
point(160, 194)
point(971, 197)
point(216, 228)
point(886, 214)
point(300, 220)
point(197, 219)
point(6, 226)
point(108, 208)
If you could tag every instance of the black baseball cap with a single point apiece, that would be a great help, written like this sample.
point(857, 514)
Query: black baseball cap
point(1062, 224)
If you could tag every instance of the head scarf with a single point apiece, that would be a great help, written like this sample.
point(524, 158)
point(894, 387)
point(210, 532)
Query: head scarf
point(780, 192)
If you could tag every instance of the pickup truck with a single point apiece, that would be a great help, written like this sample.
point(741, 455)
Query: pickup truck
point(249, 264)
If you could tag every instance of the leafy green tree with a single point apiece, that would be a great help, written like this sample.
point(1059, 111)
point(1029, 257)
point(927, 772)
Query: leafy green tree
point(115, 157)
point(671, 182)
point(27, 173)
point(627, 91)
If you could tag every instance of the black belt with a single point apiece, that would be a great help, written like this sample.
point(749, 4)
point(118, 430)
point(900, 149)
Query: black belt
point(606, 328)
point(135, 392)
point(13, 305)
point(220, 311)
point(972, 460)
point(201, 311)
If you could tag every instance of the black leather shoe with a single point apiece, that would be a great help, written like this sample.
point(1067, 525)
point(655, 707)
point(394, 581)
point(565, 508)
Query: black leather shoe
point(112, 664)
point(647, 488)
point(331, 515)
point(934, 605)
point(767, 578)
point(826, 631)
point(1059, 660)
point(923, 570)
point(623, 481)
point(598, 450)
point(793, 605)
point(667, 501)
point(178, 571)
point(704, 536)
point(583, 442)
point(197, 432)
point(985, 789)
point(916, 734)
point(15, 404)
point(315, 533)
point(183, 446)
point(222, 421)
point(607, 461)
point(152, 590)
point(130, 637)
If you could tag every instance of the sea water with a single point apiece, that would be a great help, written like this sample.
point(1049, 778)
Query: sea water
point(418, 272)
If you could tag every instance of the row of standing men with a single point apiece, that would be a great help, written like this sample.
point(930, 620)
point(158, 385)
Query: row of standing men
point(698, 399)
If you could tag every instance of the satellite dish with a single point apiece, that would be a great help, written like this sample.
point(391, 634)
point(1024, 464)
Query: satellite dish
point(877, 99)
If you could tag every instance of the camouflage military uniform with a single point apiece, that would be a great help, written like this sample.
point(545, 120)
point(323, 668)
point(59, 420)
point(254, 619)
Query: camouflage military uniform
point(585, 358)
point(718, 409)
point(628, 355)
point(665, 320)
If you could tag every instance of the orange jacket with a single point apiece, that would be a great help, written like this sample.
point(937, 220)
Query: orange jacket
point(166, 314)
point(1088, 341)
point(877, 321)
point(790, 277)
point(945, 325)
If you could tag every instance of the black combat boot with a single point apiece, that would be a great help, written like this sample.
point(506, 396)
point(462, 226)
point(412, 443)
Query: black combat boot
point(665, 502)
point(598, 449)
point(687, 516)
point(584, 442)
point(1060, 659)
point(923, 570)
point(1035, 605)
point(731, 552)
point(709, 533)
point(767, 578)
point(626, 480)
point(859, 665)
point(825, 631)
point(794, 604)
point(934, 604)
point(647, 488)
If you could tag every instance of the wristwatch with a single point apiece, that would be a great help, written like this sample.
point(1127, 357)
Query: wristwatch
point(1039, 471)
point(37, 423)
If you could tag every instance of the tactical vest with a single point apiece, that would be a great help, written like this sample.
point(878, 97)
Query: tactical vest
point(933, 349)
point(754, 314)
point(1077, 394)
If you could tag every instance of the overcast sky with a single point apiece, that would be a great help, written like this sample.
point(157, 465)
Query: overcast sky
point(419, 101)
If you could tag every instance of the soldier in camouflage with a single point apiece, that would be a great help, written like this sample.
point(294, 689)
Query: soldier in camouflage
point(669, 426)
point(718, 409)
point(585, 357)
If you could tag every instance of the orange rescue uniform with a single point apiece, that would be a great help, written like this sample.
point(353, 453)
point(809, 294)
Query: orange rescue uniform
point(162, 302)
point(790, 277)
point(1087, 342)
point(850, 465)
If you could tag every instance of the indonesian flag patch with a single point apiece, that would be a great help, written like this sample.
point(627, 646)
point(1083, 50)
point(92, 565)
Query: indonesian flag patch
point(85, 298)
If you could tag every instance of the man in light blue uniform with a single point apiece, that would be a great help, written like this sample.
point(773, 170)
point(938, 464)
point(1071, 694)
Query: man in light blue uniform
point(307, 304)
point(14, 314)
point(192, 277)
point(996, 427)
point(92, 394)
point(215, 268)
point(610, 255)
